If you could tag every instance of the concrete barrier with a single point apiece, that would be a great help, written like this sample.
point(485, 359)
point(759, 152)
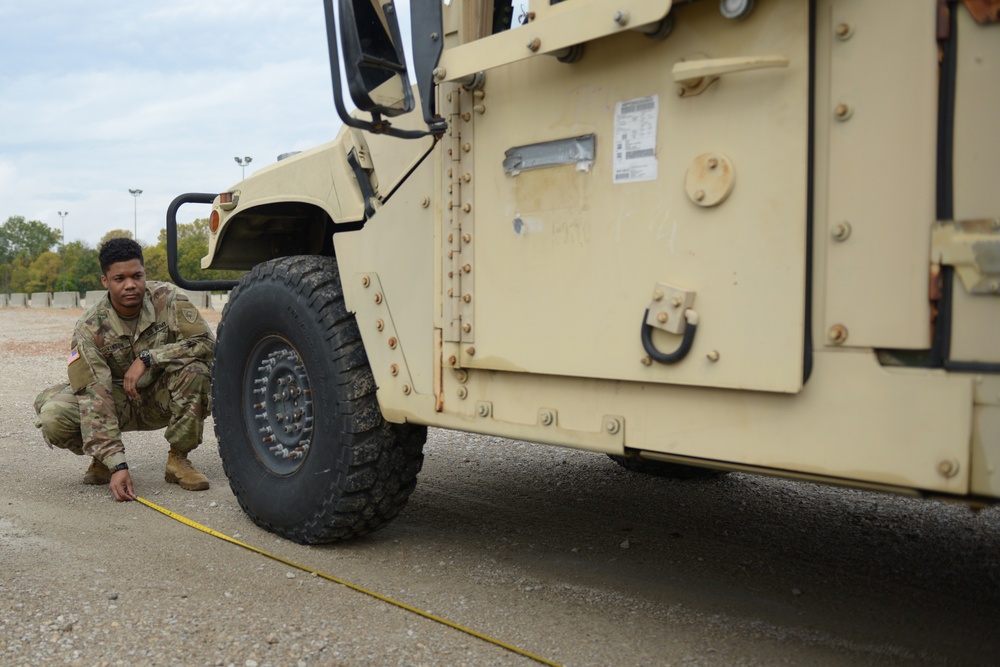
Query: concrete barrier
point(40, 300)
point(66, 300)
point(93, 296)
point(200, 299)
point(17, 300)
point(3, 300)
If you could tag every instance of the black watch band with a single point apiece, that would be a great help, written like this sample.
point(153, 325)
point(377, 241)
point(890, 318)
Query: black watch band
point(120, 466)
point(147, 358)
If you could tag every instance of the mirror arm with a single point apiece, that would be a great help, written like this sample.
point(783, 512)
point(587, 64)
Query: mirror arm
point(427, 36)
point(382, 127)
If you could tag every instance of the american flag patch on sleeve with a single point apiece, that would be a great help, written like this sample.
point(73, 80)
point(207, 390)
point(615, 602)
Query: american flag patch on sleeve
point(73, 356)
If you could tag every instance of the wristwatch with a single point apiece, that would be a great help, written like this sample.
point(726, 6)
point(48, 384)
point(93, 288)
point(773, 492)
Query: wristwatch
point(146, 357)
point(120, 466)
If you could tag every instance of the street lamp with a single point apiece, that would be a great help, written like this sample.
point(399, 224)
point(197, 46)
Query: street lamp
point(135, 213)
point(62, 216)
point(243, 162)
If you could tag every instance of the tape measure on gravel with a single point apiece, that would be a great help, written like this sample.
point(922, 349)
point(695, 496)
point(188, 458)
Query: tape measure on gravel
point(402, 605)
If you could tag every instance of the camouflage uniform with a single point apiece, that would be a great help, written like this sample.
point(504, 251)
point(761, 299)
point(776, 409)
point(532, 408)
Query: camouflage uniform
point(88, 414)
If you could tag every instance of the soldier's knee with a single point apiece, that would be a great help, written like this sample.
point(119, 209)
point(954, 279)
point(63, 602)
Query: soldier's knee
point(47, 395)
point(59, 429)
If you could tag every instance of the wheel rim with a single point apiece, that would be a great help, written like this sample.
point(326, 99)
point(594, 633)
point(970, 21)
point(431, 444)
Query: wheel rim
point(278, 406)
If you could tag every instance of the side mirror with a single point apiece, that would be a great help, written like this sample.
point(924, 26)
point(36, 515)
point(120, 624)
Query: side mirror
point(373, 57)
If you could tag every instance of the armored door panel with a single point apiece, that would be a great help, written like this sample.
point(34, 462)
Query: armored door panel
point(667, 175)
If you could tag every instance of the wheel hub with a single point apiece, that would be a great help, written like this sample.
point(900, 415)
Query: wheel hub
point(280, 404)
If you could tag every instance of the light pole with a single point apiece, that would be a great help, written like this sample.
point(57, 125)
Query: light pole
point(62, 216)
point(135, 213)
point(243, 162)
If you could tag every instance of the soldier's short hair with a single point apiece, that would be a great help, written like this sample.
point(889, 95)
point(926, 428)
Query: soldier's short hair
point(121, 249)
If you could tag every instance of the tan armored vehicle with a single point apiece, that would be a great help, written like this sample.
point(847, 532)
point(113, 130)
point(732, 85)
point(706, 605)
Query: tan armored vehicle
point(693, 236)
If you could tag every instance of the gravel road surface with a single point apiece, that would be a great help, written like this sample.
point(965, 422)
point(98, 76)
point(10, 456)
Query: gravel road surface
point(558, 552)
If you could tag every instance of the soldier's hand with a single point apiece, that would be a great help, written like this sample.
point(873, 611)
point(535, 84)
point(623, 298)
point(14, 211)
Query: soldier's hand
point(121, 486)
point(132, 376)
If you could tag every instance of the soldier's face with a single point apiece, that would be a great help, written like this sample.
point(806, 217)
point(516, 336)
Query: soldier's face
point(126, 283)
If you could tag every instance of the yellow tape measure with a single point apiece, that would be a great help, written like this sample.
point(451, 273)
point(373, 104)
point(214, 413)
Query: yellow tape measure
point(402, 605)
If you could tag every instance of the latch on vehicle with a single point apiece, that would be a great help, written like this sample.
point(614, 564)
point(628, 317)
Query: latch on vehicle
point(669, 310)
point(972, 247)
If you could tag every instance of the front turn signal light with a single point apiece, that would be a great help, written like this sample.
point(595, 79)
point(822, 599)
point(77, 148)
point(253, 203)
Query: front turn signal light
point(228, 200)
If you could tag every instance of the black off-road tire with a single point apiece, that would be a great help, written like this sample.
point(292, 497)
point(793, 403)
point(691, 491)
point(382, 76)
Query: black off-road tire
point(665, 469)
point(301, 436)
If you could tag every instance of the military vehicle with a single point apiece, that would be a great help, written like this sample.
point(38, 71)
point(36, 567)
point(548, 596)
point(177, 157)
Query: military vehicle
point(695, 236)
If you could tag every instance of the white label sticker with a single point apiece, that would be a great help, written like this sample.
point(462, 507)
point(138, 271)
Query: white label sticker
point(635, 139)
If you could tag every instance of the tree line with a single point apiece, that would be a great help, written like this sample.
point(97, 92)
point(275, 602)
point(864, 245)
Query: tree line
point(35, 258)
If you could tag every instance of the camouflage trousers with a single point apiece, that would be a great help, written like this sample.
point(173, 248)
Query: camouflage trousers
point(178, 400)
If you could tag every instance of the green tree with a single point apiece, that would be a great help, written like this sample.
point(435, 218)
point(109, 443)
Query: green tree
point(83, 271)
point(21, 242)
point(19, 275)
point(25, 239)
point(44, 273)
point(192, 245)
point(155, 261)
point(195, 229)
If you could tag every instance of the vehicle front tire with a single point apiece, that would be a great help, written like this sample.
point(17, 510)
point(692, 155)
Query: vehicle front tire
point(302, 439)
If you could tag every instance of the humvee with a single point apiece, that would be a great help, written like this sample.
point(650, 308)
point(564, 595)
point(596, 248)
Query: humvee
point(696, 236)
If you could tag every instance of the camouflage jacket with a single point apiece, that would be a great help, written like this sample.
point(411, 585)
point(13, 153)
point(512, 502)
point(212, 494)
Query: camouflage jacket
point(170, 327)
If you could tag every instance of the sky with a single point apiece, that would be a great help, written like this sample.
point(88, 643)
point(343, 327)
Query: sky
point(100, 97)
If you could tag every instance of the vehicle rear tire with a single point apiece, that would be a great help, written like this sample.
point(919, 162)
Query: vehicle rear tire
point(302, 439)
point(665, 469)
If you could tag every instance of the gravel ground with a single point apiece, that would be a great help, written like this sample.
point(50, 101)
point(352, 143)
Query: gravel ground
point(558, 552)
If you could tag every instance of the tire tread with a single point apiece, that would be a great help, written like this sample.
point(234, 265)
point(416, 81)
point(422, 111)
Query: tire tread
point(378, 462)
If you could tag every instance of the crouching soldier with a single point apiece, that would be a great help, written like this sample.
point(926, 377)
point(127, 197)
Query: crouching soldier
point(139, 361)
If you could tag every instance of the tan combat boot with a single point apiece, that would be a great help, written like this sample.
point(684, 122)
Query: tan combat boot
point(97, 473)
point(180, 471)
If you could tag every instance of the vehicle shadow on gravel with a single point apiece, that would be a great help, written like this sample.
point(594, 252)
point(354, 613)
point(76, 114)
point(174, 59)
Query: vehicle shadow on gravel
point(741, 545)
